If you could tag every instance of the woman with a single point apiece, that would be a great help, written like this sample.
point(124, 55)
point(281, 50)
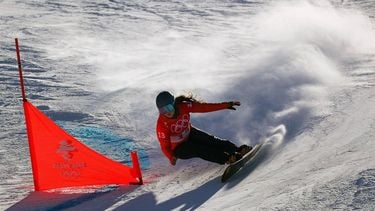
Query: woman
point(179, 139)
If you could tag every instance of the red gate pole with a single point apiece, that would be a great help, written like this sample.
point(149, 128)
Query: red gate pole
point(136, 167)
point(20, 71)
point(31, 145)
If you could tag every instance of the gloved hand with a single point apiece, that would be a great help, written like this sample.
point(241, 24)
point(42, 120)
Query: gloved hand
point(234, 103)
point(173, 161)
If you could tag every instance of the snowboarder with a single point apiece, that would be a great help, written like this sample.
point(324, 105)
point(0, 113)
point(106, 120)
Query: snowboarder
point(180, 140)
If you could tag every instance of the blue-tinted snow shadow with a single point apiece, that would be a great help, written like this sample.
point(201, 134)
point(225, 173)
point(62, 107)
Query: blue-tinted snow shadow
point(190, 200)
point(108, 143)
point(193, 199)
point(74, 201)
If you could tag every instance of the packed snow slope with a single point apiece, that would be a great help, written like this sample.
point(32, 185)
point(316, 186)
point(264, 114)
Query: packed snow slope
point(303, 71)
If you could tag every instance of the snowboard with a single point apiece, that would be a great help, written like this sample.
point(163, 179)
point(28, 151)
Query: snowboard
point(233, 168)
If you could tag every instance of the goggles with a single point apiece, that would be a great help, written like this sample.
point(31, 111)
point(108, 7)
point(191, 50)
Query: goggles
point(166, 109)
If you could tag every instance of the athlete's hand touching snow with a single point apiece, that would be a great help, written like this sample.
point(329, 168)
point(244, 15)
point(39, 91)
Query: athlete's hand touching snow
point(173, 161)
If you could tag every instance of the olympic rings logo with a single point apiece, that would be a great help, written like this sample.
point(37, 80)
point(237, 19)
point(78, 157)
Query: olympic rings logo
point(181, 124)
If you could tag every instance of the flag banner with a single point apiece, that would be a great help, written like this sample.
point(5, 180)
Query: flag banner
point(60, 160)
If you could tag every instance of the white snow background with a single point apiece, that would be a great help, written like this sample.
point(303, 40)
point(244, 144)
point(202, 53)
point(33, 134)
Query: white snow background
point(303, 70)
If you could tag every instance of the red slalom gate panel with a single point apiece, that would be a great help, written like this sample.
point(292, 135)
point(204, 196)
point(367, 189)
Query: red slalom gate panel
point(59, 160)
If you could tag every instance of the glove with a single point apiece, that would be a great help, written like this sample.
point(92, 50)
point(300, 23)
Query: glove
point(173, 161)
point(232, 104)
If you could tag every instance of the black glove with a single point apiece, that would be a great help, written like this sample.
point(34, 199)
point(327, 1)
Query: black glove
point(232, 104)
point(173, 161)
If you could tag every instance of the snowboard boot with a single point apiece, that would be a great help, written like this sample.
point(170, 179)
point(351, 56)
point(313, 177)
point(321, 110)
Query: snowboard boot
point(232, 158)
point(243, 149)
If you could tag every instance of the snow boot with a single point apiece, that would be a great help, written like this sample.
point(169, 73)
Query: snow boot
point(243, 149)
point(232, 158)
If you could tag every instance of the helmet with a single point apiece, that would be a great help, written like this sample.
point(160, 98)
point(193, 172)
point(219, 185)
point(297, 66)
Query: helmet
point(164, 99)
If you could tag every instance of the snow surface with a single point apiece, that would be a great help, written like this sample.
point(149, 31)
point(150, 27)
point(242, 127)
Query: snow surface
point(303, 70)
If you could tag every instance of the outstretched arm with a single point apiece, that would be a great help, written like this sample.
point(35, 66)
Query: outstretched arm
point(197, 107)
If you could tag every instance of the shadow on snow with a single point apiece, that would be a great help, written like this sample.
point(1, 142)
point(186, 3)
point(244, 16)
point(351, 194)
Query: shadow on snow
point(193, 199)
point(76, 201)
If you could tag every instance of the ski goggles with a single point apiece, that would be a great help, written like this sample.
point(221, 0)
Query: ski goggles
point(166, 109)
